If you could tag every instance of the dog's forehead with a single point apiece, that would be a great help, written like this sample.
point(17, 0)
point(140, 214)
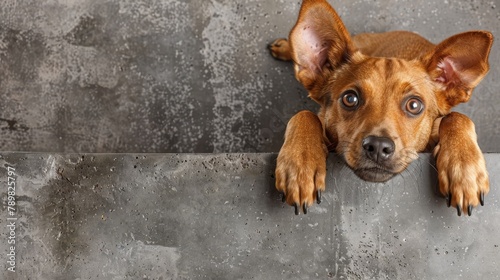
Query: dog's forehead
point(394, 76)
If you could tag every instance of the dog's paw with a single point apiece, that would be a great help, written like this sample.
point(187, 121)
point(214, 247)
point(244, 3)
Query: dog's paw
point(300, 176)
point(464, 183)
point(280, 49)
point(301, 164)
point(463, 178)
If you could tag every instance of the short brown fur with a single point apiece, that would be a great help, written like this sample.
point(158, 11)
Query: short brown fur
point(384, 98)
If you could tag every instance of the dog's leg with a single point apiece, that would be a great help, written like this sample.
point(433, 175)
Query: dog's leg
point(280, 49)
point(462, 174)
point(301, 163)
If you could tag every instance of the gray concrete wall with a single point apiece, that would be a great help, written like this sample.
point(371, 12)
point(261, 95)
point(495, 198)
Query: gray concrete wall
point(167, 216)
point(186, 76)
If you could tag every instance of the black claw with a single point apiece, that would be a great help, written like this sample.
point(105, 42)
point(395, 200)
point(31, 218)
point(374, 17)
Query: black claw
point(318, 196)
point(481, 198)
point(459, 210)
point(304, 207)
point(296, 208)
point(469, 210)
point(283, 197)
point(448, 199)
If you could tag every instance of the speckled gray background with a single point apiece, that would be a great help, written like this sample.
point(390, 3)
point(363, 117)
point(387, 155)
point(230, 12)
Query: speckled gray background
point(186, 76)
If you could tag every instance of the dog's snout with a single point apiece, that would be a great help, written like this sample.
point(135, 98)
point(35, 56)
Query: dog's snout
point(378, 148)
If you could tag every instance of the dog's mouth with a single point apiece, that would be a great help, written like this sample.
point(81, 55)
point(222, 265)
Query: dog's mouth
point(374, 174)
point(378, 169)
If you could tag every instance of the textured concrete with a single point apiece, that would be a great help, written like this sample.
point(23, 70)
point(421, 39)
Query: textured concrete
point(186, 76)
point(166, 216)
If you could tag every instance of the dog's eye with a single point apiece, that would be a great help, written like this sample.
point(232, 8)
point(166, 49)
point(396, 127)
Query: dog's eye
point(350, 99)
point(414, 106)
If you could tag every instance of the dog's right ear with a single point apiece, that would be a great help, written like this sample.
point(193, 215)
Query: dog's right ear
point(320, 43)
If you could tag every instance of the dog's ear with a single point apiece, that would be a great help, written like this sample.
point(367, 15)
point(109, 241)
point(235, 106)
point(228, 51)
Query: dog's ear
point(457, 65)
point(319, 44)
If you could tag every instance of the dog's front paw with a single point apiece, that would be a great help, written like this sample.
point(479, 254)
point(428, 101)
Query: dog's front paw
point(301, 164)
point(300, 176)
point(280, 49)
point(463, 178)
point(464, 183)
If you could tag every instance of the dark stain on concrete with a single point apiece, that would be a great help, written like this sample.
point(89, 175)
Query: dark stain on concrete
point(87, 33)
point(12, 125)
point(24, 51)
point(65, 207)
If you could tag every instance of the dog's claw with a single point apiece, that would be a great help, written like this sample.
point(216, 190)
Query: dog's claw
point(469, 210)
point(481, 198)
point(448, 199)
point(296, 205)
point(283, 197)
point(459, 210)
point(304, 207)
point(318, 196)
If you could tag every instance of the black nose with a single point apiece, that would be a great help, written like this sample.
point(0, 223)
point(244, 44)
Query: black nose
point(378, 148)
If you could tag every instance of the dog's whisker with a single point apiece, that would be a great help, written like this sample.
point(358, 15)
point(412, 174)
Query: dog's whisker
point(431, 164)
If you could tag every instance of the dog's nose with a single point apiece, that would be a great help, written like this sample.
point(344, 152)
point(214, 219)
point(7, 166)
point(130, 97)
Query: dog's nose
point(378, 148)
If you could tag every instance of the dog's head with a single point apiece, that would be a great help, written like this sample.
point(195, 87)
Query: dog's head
point(380, 111)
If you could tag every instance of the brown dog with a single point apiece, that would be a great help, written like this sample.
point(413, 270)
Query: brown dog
point(384, 98)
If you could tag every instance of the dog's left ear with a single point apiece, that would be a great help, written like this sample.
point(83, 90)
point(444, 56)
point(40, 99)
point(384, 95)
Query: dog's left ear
point(457, 65)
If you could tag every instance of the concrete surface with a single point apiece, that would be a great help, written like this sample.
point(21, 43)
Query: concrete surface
point(168, 216)
point(186, 76)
